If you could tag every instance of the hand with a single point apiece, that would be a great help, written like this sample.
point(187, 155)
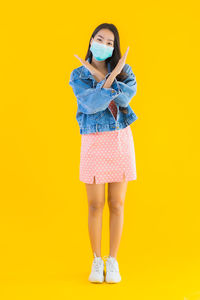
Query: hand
point(121, 63)
point(92, 69)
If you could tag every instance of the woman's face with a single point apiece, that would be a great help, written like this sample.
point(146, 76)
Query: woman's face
point(104, 36)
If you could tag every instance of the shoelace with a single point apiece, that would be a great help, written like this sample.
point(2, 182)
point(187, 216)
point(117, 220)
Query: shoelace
point(97, 262)
point(112, 263)
point(105, 257)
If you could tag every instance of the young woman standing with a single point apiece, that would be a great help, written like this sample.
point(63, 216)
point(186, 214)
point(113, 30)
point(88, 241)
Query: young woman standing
point(107, 155)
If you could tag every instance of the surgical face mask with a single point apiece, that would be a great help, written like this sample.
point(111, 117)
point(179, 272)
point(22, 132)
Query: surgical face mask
point(101, 51)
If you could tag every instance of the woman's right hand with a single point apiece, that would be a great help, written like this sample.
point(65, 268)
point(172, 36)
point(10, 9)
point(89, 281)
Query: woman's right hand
point(86, 64)
point(121, 63)
point(92, 69)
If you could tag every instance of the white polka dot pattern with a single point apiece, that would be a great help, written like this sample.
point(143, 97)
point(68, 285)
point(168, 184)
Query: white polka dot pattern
point(107, 155)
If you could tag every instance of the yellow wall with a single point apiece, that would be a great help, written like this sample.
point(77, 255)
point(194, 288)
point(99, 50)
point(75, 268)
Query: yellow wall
point(44, 243)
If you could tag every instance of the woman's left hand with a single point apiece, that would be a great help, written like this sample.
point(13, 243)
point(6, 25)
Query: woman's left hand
point(118, 68)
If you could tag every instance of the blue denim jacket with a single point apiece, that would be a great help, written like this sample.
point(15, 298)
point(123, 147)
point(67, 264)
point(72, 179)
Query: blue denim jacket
point(93, 113)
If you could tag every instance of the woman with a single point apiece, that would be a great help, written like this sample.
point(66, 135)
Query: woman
point(104, 85)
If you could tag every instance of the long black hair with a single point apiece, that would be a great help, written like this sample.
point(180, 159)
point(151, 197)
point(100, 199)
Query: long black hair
point(116, 55)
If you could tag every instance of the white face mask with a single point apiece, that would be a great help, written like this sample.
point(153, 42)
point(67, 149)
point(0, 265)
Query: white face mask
point(101, 51)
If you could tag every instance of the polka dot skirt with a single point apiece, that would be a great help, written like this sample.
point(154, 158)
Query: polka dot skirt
point(108, 156)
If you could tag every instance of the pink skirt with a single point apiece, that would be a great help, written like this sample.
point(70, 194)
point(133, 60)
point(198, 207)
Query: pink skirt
point(108, 155)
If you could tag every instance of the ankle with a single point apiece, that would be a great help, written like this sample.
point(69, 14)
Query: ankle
point(95, 254)
point(115, 256)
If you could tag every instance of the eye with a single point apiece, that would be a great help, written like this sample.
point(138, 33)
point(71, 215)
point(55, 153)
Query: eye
point(98, 39)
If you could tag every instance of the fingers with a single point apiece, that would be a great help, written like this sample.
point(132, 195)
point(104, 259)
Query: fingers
point(81, 60)
point(126, 53)
point(127, 50)
point(86, 64)
point(123, 58)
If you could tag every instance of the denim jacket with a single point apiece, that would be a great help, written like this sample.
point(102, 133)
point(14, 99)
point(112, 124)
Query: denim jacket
point(93, 113)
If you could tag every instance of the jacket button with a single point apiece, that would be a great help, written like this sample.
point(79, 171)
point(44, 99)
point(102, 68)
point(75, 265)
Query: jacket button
point(117, 127)
point(113, 91)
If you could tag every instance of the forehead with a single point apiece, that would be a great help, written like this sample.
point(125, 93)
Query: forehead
point(105, 34)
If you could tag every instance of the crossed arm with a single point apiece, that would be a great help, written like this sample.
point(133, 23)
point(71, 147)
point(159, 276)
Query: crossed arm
point(91, 100)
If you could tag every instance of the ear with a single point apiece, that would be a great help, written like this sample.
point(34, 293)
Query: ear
point(91, 40)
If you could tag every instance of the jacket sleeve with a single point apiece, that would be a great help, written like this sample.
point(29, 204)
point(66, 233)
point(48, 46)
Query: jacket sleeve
point(126, 89)
point(91, 100)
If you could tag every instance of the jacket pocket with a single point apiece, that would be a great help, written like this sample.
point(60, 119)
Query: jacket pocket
point(97, 116)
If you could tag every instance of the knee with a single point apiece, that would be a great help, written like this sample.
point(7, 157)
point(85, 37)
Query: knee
point(116, 206)
point(96, 206)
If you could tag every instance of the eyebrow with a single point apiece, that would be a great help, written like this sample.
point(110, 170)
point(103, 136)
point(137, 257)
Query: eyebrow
point(103, 38)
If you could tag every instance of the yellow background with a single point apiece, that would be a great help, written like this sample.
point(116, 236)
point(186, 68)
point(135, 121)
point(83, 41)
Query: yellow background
point(45, 251)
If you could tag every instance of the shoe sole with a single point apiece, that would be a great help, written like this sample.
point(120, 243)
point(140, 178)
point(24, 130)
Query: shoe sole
point(98, 281)
point(111, 281)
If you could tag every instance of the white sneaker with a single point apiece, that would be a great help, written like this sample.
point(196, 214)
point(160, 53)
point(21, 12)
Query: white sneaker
point(97, 270)
point(112, 270)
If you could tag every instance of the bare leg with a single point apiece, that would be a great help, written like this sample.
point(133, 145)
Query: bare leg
point(96, 202)
point(116, 198)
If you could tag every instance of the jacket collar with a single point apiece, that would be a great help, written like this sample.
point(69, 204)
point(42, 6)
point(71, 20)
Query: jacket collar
point(85, 73)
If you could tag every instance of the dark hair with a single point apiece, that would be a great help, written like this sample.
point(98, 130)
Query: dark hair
point(116, 52)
